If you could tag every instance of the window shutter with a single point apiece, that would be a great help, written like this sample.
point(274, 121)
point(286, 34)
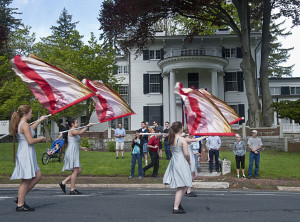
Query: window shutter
point(161, 84)
point(285, 90)
point(162, 116)
point(225, 82)
point(223, 52)
point(241, 112)
point(162, 53)
point(239, 53)
point(116, 71)
point(146, 83)
point(240, 78)
point(146, 113)
point(145, 54)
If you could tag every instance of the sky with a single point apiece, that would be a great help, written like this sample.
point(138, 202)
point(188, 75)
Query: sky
point(42, 14)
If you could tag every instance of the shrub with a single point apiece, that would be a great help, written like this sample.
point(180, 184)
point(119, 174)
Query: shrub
point(111, 145)
point(85, 142)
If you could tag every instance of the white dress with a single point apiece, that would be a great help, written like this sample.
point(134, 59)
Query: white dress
point(26, 162)
point(72, 154)
point(178, 172)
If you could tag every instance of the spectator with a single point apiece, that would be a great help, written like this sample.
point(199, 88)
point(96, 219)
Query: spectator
point(254, 144)
point(137, 149)
point(149, 128)
point(153, 145)
point(120, 134)
point(166, 145)
point(144, 152)
point(159, 129)
point(239, 150)
point(213, 144)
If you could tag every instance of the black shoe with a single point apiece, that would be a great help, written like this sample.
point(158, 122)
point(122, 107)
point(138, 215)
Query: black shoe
point(218, 171)
point(63, 187)
point(24, 208)
point(16, 201)
point(117, 157)
point(191, 194)
point(210, 171)
point(249, 177)
point(256, 177)
point(122, 157)
point(75, 192)
point(179, 211)
point(179, 207)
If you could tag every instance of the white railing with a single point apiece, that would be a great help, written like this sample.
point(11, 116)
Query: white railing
point(193, 52)
point(291, 128)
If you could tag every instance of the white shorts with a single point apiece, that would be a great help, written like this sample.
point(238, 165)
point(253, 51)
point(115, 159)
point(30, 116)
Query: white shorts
point(119, 145)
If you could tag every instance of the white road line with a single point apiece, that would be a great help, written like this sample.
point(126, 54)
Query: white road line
point(5, 197)
point(156, 194)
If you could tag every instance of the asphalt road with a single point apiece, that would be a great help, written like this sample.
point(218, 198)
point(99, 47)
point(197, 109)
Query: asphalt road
point(151, 205)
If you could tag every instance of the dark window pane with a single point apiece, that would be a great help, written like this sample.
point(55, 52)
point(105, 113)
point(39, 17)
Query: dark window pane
point(151, 54)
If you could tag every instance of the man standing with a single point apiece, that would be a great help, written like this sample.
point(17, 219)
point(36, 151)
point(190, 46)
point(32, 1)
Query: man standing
point(213, 144)
point(166, 145)
point(153, 145)
point(254, 144)
point(120, 134)
point(159, 129)
point(144, 129)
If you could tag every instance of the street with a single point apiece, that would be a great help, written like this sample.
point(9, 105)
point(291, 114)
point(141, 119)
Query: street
point(152, 205)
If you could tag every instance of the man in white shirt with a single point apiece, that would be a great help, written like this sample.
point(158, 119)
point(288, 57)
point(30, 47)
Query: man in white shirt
point(254, 144)
point(213, 144)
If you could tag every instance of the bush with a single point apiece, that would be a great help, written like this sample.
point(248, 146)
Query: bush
point(111, 145)
point(85, 142)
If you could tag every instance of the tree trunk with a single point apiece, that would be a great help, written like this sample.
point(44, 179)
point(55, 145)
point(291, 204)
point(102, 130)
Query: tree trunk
point(248, 64)
point(267, 114)
point(47, 131)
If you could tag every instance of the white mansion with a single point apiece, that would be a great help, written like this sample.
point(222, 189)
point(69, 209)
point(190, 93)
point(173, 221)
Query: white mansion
point(210, 61)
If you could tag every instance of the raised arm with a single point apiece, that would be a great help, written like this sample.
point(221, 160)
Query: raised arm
point(78, 132)
point(35, 125)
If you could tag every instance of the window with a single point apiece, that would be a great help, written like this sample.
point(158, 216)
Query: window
point(193, 80)
point(152, 83)
point(153, 113)
point(122, 69)
point(124, 121)
point(234, 81)
point(152, 54)
point(123, 91)
point(232, 52)
point(275, 90)
point(295, 90)
point(240, 110)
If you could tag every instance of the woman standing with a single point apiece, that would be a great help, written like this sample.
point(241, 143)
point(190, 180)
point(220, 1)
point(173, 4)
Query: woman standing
point(26, 167)
point(178, 174)
point(239, 150)
point(71, 161)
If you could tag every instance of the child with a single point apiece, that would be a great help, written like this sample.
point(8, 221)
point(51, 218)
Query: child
point(137, 148)
point(56, 145)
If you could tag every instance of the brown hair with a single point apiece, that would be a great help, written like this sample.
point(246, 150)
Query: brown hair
point(175, 128)
point(16, 117)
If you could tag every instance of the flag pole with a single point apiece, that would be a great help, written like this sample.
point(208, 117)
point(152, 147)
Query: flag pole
point(65, 131)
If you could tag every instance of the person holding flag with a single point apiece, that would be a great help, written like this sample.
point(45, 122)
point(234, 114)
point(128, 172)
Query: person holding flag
point(71, 161)
point(26, 167)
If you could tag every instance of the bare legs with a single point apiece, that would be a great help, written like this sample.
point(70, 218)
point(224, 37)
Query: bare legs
point(117, 152)
point(238, 171)
point(194, 176)
point(160, 153)
point(178, 196)
point(26, 186)
point(146, 158)
point(75, 173)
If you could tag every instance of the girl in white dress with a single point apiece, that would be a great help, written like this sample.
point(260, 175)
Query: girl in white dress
point(71, 161)
point(178, 174)
point(26, 167)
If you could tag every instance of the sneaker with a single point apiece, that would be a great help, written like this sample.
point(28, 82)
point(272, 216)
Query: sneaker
point(256, 177)
point(75, 192)
point(122, 157)
point(24, 208)
point(249, 177)
point(179, 211)
point(191, 194)
point(130, 177)
point(244, 177)
point(62, 186)
point(238, 175)
point(140, 178)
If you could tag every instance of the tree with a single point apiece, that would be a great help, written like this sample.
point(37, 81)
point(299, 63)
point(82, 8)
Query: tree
point(137, 27)
point(288, 109)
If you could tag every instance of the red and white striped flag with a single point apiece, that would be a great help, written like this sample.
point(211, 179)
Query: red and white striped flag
point(230, 115)
point(109, 104)
point(54, 89)
point(204, 117)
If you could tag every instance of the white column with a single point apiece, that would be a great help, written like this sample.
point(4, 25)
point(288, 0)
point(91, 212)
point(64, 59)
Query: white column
point(214, 82)
point(166, 98)
point(172, 98)
point(221, 87)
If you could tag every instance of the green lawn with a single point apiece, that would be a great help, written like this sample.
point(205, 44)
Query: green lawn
point(272, 164)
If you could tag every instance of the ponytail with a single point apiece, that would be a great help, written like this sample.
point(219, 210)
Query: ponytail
point(175, 128)
point(16, 117)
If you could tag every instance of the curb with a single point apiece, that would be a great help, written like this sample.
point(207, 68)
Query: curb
point(196, 185)
point(282, 188)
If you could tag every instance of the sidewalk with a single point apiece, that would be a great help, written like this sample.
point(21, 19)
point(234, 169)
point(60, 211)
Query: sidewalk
point(220, 182)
